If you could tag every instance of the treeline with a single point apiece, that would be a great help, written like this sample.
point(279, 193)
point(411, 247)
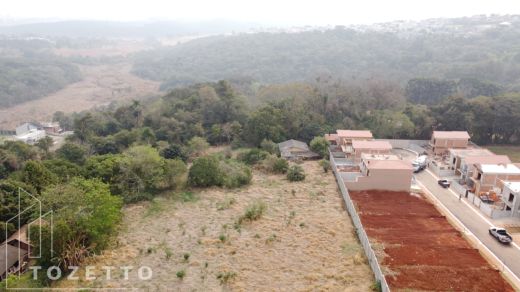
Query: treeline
point(29, 71)
point(488, 56)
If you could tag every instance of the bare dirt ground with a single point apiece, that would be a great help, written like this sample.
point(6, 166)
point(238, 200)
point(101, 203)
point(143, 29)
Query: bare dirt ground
point(303, 242)
point(419, 249)
point(101, 85)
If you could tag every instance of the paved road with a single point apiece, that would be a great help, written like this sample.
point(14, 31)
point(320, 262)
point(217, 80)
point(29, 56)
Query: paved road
point(509, 255)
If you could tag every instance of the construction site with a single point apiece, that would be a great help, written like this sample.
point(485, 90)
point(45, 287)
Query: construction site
point(418, 248)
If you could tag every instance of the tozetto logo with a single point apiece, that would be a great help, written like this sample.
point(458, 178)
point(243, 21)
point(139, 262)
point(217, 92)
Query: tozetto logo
point(19, 253)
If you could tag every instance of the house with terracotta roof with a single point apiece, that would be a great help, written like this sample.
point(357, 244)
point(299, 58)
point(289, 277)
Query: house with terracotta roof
point(331, 138)
point(461, 161)
point(442, 141)
point(488, 177)
point(346, 137)
point(360, 147)
point(381, 172)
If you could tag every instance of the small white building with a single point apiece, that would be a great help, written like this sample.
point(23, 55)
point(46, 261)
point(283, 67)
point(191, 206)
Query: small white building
point(511, 197)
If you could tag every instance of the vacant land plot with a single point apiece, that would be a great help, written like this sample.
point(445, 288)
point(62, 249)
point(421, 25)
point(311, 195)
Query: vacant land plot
point(302, 241)
point(419, 249)
point(101, 85)
point(513, 151)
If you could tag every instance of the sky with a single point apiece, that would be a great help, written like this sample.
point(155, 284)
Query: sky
point(273, 12)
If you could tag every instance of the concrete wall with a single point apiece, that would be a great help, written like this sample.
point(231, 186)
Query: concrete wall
point(383, 179)
point(358, 152)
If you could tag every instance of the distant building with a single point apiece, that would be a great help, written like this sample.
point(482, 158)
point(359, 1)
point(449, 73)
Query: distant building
point(511, 197)
point(332, 138)
point(360, 147)
point(442, 141)
point(296, 150)
point(462, 161)
point(381, 172)
point(346, 137)
point(52, 128)
point(487, 177)
point(26, 128)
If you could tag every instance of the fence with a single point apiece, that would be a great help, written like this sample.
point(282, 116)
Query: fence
point(487, 209)
point(363, 237)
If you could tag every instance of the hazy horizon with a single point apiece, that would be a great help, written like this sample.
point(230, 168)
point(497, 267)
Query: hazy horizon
point(269, 12)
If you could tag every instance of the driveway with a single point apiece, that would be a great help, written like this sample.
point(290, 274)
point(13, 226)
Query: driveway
point(473, 221)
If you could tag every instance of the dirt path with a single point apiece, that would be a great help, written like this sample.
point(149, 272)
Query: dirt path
point(303, 242)
point(101, 85)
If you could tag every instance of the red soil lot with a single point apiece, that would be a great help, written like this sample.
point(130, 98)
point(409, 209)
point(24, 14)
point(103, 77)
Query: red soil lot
point(422, 250)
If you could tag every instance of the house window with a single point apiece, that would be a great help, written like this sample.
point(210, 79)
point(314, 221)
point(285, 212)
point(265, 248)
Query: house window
point(454, 159)
point(511, 197)
point(479, 176)
point(508, 208)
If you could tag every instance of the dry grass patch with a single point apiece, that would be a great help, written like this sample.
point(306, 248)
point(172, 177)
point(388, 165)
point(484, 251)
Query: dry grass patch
point(293, 237)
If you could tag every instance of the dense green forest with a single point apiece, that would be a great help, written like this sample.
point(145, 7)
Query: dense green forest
point(28, 70)
point(482, 54)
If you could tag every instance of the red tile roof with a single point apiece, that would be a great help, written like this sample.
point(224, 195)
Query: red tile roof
point(354, 133)
point(450, 135)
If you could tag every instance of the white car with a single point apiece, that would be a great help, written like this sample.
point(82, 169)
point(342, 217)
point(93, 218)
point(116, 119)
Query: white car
point(501, 235)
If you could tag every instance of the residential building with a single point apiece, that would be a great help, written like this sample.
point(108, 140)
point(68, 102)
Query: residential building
point(331, 138)
point(461, 161)
point(511, 197)
point(26, 128)
point(381, 172)
point(295, 150)
point(52, 128)
point(360, 147)
point(346, 137)
point(468, 164)
point(487, 177)
point(442, 141)
point(12, 259)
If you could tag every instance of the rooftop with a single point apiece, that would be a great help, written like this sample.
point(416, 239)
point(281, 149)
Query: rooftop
point(491, 159)
point(371, 144)
point(368, 156)
point(450, 135)
point(389, 164)
point(293, 143)
point(331, 137)
point(499, 168)
point(471, 152)
point(354, 133)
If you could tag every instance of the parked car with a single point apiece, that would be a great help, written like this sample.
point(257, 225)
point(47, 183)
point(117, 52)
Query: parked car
point(501, 235)
point(418, 168)
point(444, 183)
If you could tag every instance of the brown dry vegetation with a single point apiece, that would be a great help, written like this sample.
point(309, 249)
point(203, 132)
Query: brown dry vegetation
point(101, 85)
point(303, 242)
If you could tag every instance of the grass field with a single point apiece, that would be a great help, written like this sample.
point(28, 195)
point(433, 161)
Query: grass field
point(513, 151)
point(299, 238)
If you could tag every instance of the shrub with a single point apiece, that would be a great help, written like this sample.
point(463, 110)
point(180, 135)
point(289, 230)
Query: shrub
point(295, 173)
point(269, 146)
point(253, 212)
point(280, 166)
point(274, 164)
point(197, 146)
point(235, 174)
point(205, 172)
point(225, 277)
point(252, 156)
point(320, 145)
point(325, 164)
point(174, 151)
point(180, 274)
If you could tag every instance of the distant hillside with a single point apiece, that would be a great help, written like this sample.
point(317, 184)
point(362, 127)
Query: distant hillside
point(29, 71)
point(486, 49)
